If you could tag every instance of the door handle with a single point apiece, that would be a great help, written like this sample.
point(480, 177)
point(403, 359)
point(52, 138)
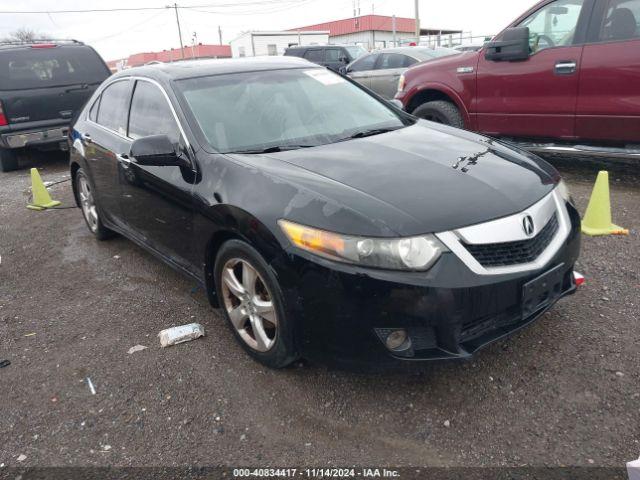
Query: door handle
point(123, 158)
point(87, 138)
point(565, 67)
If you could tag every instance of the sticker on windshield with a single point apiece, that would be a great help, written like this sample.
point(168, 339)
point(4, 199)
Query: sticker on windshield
point(324, 76)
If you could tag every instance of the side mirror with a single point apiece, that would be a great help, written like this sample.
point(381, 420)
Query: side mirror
point(342, 70)
point(156, 151)
point(513, 46)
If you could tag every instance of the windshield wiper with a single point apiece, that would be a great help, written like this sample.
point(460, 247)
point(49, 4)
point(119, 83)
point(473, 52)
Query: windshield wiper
point(370, 132)
point(274, 149)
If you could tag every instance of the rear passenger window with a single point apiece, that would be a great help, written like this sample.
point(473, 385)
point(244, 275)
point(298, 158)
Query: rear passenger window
point(112, 113)
point(333, 55)
point(315, 55)
point(151, 114)
point(621, 21)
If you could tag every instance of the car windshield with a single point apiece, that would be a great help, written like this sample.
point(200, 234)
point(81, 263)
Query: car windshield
point(277, 109)
point(355, 51)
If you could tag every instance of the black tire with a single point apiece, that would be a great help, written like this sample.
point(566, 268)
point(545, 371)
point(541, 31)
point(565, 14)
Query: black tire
point(283, 352)
point(8, 160)
point(440, 111)
point(97, 228)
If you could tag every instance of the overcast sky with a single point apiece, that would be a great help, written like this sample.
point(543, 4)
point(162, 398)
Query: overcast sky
point(118, 34)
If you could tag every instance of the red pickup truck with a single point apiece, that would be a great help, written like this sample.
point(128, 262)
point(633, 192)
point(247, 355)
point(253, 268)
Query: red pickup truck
point(564, 77)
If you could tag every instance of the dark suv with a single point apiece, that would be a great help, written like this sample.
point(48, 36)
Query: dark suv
point(330, 56)
point(42, 86)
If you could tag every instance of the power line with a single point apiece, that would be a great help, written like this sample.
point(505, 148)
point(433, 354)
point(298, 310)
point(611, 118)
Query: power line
point(129, 29)
point(138, 9)
point(272, 9)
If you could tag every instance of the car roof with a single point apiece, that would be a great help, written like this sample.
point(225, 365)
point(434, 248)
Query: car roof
point(417, 52)
point(202, 68)
point(19, 44)
point(312, 47)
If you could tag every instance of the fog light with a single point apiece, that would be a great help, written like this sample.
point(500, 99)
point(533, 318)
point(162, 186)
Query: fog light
point(396, 340)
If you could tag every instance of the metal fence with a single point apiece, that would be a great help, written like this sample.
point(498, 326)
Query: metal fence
point(449, 40)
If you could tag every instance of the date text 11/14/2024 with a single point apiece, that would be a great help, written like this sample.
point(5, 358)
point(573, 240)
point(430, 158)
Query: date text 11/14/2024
point(315, 473)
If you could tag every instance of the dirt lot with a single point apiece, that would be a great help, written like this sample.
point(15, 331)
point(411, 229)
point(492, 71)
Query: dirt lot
point(563, 392)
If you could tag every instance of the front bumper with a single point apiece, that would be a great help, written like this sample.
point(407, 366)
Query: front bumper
point(450, 312)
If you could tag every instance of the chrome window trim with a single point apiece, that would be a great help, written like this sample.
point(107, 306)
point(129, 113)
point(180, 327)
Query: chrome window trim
point(501, 229)
point(143, 79)
point(98, 95)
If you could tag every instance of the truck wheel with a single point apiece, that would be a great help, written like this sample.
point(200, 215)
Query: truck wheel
point(8, 160)
point(440, 111)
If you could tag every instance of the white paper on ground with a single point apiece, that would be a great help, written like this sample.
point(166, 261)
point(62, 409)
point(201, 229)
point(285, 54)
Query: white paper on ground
point(184, 333)
point(633, 469)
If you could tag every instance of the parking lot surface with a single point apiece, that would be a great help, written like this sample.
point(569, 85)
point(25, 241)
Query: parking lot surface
point(563, 392)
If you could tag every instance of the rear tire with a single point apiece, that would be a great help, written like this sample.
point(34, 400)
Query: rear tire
point(89, 206)
point(440, 111)
point(260, 322)
point(8, 160)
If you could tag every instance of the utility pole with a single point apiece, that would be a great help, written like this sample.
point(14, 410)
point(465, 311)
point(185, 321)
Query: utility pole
point(220, 34)
point(393, 25)
point(175, 7)
point(417, 2)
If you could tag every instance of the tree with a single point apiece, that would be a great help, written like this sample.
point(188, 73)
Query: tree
point(23, 35)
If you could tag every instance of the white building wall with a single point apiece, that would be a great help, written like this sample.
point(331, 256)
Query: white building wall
point(241, 46)
point(257, 43)
point(371, 40)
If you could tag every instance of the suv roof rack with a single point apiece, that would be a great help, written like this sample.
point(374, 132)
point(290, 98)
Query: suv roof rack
point(38, 41)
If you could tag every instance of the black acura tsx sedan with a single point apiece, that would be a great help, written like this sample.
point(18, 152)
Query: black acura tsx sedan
point(326, 223)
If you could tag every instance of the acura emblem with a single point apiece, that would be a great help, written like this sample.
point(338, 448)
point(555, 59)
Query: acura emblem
point(527, 225)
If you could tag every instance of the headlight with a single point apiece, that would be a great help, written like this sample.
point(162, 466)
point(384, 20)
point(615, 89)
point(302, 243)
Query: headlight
point(412, 253)
point(401, 83)
point(564, 192)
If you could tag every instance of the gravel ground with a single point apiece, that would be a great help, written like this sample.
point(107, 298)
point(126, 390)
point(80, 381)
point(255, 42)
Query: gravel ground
point(562, 392)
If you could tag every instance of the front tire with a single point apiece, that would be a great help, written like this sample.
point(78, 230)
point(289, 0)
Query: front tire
point(253, 304)
point(8, 160)
point(440, 111)
point(87, 202)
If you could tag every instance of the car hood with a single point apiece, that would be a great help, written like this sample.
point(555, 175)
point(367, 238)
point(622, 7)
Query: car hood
point(440, 178)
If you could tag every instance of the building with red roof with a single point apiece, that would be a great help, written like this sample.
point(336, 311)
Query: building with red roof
point(373, 31)
point(172, 55)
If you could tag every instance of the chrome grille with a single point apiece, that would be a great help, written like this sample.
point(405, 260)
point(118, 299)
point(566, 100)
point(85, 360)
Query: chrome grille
point(514, 253)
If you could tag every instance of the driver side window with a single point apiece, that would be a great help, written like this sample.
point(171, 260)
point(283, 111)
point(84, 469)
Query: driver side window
point(554, 25)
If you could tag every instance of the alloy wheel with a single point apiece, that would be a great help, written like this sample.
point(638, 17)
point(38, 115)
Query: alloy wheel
point(87, 203)
point(249, 304)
